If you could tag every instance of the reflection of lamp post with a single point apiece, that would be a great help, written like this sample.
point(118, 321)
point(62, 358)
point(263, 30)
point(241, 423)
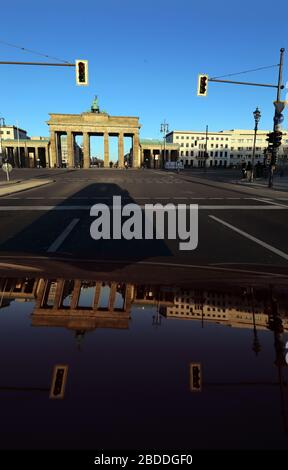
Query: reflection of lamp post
point(257, 116)
point(164, 130)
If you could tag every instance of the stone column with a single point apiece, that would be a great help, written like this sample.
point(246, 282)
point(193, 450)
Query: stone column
point(97, 295)
point(120, 151)
point(106, 150)
point(53, 149)
point(112, 296)
point(70, 149)
point(26, 158)
point(58, 294)
point(86, 150)
point(42, 286)
point(75, 294)
point(136, 163)
point(169, 155)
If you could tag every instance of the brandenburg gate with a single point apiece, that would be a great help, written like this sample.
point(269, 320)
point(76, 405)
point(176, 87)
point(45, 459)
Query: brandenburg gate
point(94, 123)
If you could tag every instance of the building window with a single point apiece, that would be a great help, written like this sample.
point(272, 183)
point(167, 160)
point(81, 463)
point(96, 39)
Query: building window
point(187, 154)
point(177, 137)
point(187, 136)
point(182, 145)
point(216, 154)
point(187, 145)
point(192, 153)
point(220, 154)
point(181, 153)
point(182, 136)
point(212, 145)
point(216, 146)
point(211, 154)
point(225, 154)
point(226, 146)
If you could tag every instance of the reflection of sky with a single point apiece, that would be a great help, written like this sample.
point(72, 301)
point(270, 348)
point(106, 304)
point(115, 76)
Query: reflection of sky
point(131, 387)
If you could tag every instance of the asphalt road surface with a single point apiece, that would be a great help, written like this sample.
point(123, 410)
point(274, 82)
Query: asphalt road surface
point(238, 226)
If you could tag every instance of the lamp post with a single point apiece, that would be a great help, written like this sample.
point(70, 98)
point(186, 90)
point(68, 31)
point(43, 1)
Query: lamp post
point(164, 129)
point(257, 116)
point(1, 125)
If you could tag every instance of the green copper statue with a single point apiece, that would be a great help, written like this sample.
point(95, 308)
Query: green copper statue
point(95, 106)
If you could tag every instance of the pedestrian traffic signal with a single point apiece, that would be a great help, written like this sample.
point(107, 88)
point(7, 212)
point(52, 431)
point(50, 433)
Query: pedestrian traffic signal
point(58, 381)
point(195, 377)
point(202, 85)
point(82, 72)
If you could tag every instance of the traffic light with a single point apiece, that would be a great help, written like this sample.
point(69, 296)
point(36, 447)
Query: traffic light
point(81, 72)
point(195, 377)
point(58, 381)
point(202, 85)
point(274, 139)
point(270, 139)
point(277, 138)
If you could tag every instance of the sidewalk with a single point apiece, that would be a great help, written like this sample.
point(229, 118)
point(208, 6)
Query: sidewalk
point(280, 183)
point(15, 186)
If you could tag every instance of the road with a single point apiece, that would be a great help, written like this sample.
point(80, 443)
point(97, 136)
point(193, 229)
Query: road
point(239, 226)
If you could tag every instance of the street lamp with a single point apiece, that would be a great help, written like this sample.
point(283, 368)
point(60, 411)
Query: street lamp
point(164, 130)
point(1, 125)
point(257, 116)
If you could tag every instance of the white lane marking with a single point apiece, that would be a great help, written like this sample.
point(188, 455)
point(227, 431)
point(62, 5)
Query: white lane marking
point(59, 240)
point(268, 201)
point(68, 207)
point(280, 253)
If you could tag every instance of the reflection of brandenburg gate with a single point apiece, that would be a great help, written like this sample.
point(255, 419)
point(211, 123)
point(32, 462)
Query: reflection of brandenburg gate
point(93, 124)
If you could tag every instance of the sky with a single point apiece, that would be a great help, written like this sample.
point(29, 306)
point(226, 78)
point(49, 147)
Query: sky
point(144, 60)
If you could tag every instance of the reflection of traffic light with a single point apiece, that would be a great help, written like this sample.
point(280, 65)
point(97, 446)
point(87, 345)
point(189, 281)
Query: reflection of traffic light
point(202, 85)
point(195, 378)
point(82, 72)
point(58, 381)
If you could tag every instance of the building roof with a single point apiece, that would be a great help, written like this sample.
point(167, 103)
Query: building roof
point(155, 142)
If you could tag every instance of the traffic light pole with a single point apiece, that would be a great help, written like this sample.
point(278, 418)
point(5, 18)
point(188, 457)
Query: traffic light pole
point(276, 126)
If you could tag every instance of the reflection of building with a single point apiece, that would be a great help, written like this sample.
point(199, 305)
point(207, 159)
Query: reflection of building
point(82, 305)
point(92, 303)
point(13, 288)
point(223, 307)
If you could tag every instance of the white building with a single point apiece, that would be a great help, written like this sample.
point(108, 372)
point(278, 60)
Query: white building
point(224, 148)
point(12, 132)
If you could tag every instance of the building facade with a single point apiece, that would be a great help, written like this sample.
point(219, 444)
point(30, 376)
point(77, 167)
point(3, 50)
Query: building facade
point(224, 148)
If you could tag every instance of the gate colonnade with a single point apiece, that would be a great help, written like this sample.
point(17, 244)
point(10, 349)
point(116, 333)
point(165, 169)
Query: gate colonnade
point(93, 124)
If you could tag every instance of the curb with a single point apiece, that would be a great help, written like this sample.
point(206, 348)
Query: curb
point(15, 190)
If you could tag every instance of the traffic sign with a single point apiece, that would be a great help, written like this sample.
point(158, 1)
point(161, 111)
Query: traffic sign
point(279, 105)
point(7, 167)
point(278, 118)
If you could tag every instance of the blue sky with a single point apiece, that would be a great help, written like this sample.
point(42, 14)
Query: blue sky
point(144, 59)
